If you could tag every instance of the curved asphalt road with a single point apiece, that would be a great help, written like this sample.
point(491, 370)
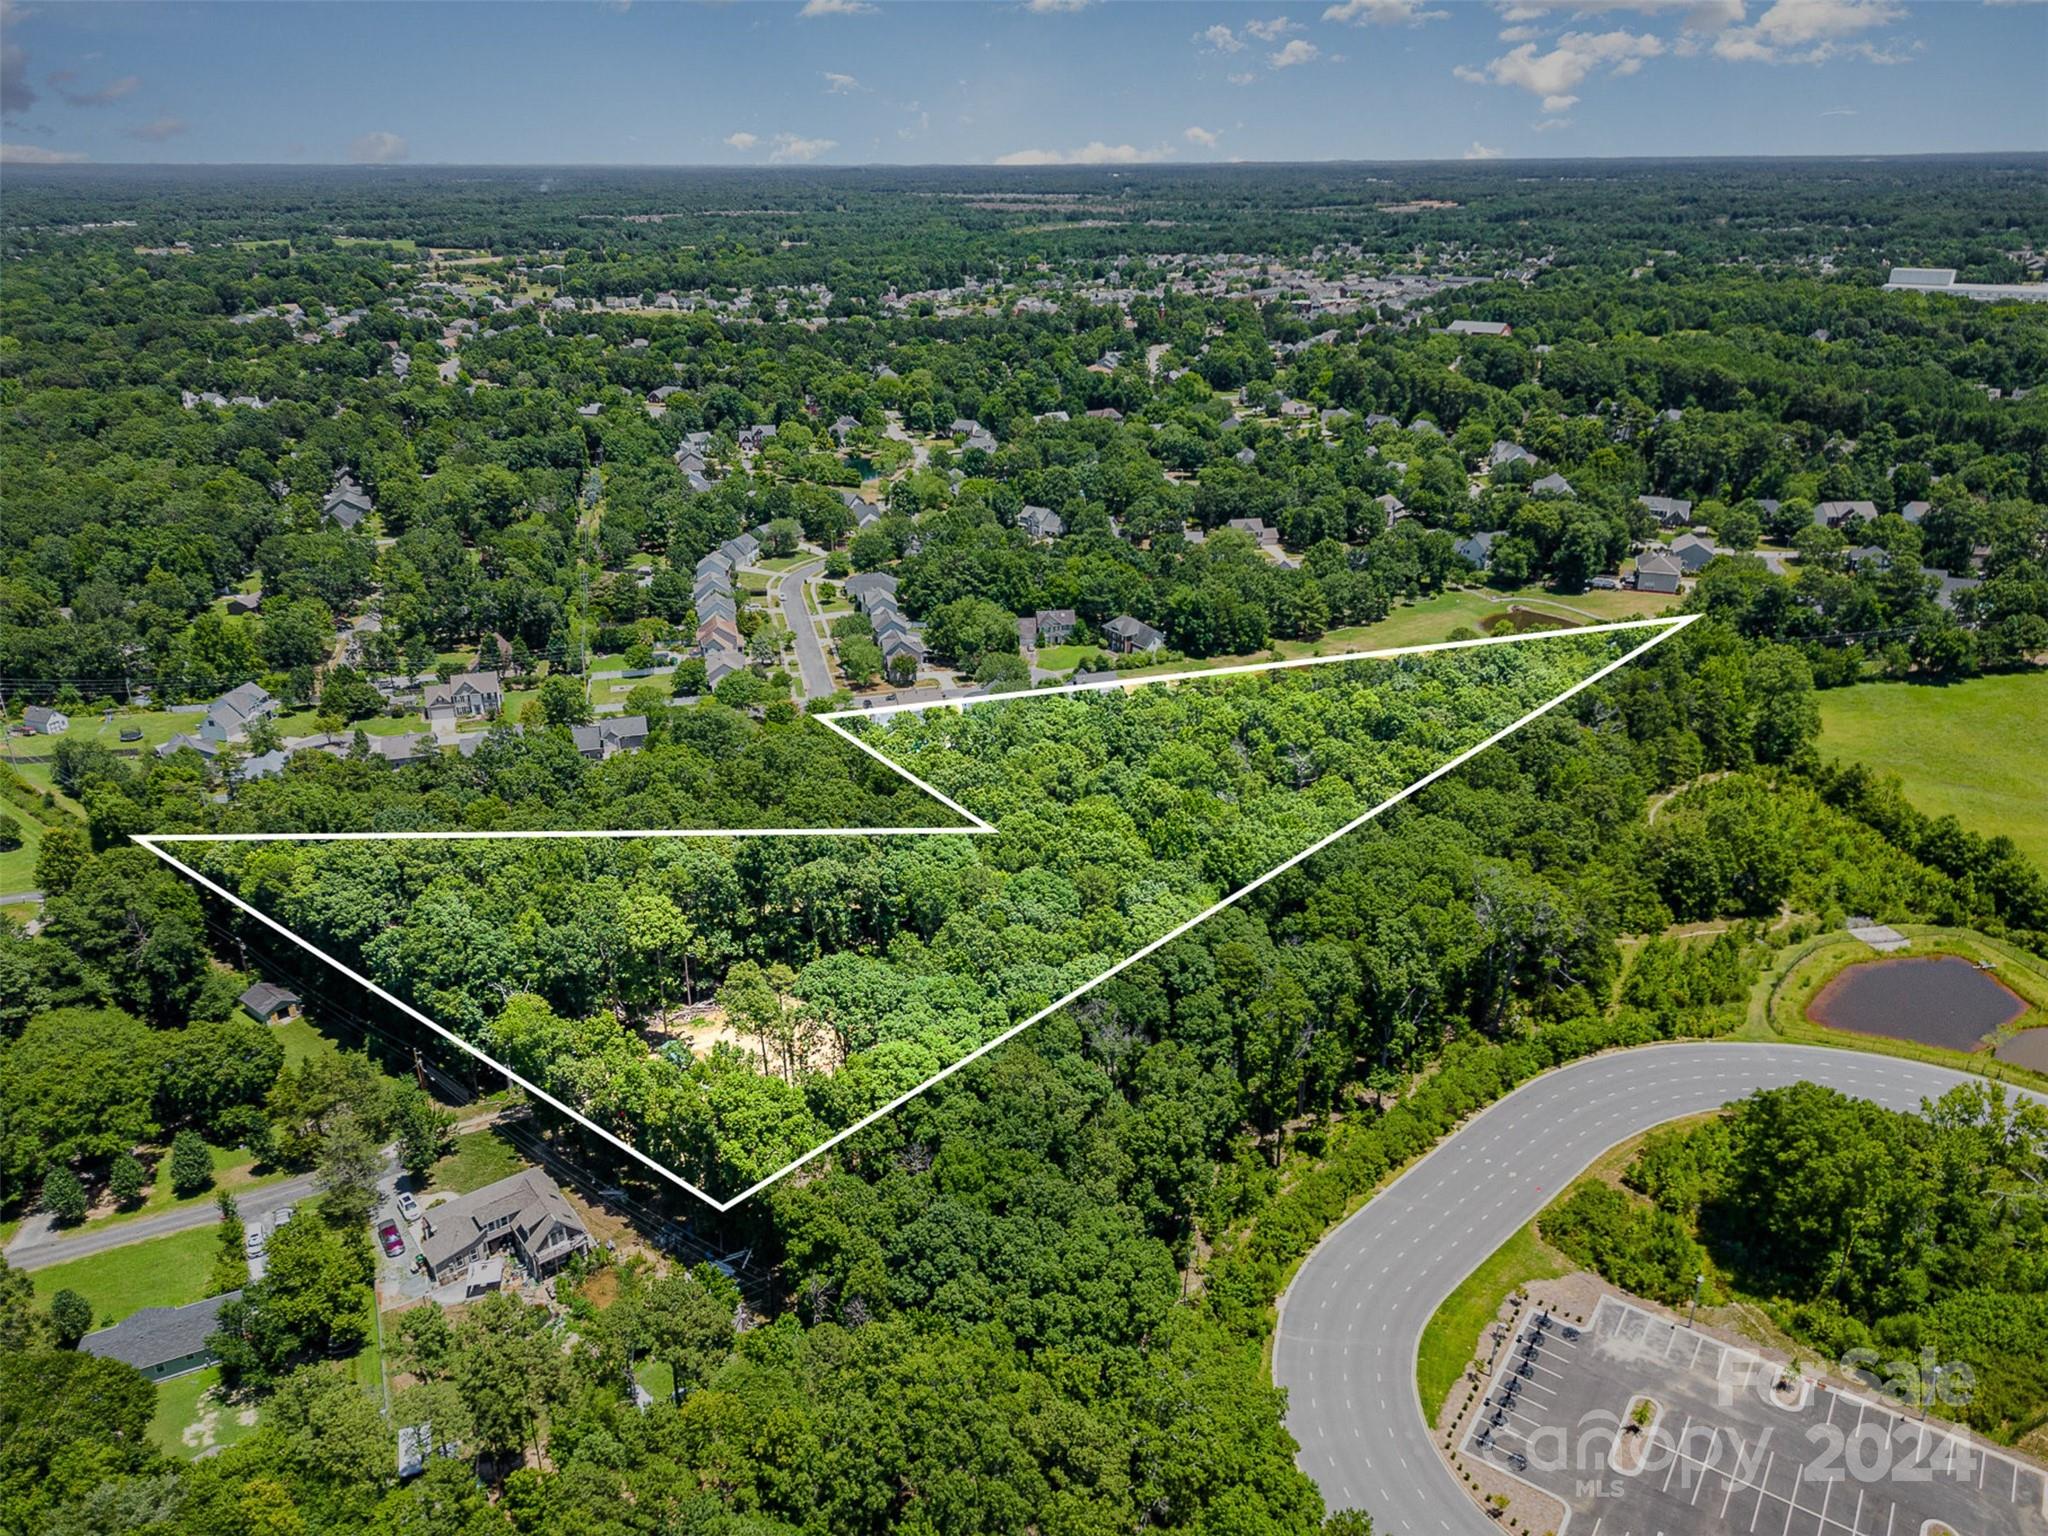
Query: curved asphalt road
point(1351, 1322)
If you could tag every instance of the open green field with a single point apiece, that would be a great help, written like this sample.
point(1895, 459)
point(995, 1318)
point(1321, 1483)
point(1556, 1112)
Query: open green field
point(18, 868)
point(162, 1272)
point(1064, 658)
point(1969, 749)
point(1453, 1333)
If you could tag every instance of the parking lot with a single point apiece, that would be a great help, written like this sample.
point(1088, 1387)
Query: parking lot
point(1730, 1447)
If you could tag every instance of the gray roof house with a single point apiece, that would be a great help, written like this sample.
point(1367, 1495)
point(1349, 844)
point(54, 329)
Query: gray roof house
point(44, 721)
point(1054, 625)
point(720, 662)
point(1657, 571)
point(161, 1342)
point(1670, 511)
point(1041, 523)
point(230, 716)
point(612, 734)
point(1833, 514)
point(864, 589)
point(1124, 633)
point(1477, 548)
point(1692, 552)
point(1480, 328)
point(347, 504)
point(524, 1214)
point(1552, 484)
point(1268, 538)
point(743, 550)
point(267, 1004)
point(1913, 511)
point(181, 741)
point(1504, 452)
point(464, 696)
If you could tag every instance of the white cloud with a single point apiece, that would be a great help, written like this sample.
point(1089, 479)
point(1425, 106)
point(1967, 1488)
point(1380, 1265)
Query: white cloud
point(1479, 151)
point(1094, 153)
point(1382, 13)
point(379, 149)
point(1244, 77)
point(1220, 39)
point(742, 139)
point(161, 129)
point(1299, 51)
point(1556, 75)
point(1271, 31)
point(835, 8)
point(1809, 32)
point(35, 154)
point(1550, 125)
point(841, 85)
point(1202, 136)
point(1519, 34)
point(789, 146)
point(1050, 7)
point(105, 96)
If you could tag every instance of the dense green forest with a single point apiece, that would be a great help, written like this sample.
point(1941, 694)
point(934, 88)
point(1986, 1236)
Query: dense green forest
point(1036, 1297)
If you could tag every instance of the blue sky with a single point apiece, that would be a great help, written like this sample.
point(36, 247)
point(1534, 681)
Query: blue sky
point(1037, 81)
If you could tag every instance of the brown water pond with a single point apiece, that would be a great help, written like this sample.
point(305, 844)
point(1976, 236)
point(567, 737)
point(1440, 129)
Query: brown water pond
point(1931, 999)
point(2028, 1048)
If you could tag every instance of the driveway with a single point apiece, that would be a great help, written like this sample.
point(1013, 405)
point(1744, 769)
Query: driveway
point(812, 668)
point(1352, 1321)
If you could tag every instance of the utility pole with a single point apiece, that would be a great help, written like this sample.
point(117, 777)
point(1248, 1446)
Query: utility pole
point(1698, 1280)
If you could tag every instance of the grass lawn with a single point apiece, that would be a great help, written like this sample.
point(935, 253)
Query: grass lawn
point(18, 868)
point(1452, 1337)
point(1970, 749)
point(191, 1418)
point(1064, 658)
point(656, 1377)
point(783, 562)
point(162, 1272)
point(301, 1041)
point(480, 1158)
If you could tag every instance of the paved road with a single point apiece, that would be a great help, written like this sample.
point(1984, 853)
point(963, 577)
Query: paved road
point(810, 652)
point(37, 1246)
point(1351, 1322)
point(19, 898)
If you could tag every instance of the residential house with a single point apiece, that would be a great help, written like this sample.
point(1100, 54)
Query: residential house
point(718, 634)
point(721, 661)
point(744, 550)
point(1834, 514)
point(1107, 413)
point(1869, 557)
point(465, 696)
point(1268, 538)
point(869, 588)
point(162, 1342)
point(347, 504)
point(1126, 634)
point(267, 1004)
point(714, 564)
point(844, 428)
point(1670, 511)
point(1041, 523)
point(1692, 552)
point(240, 604)
point(1246, 456)
point(1913, 511)
point(44, 721)
point(229, 717)
point(263, 765)
point(180, 742)
point(1552, 484)
point(1504, 453)
point(610, 734)
point(1947, 586)
point(1657, 571)
point(525, 1215)
point(754, 439)
point(1393, 506)
point(1480, 328)
point(1055, 626)
point(1425, 427)
point(1477, 548)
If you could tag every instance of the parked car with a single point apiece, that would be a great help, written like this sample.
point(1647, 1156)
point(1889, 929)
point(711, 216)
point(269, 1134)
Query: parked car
point(408, 1207)
point(281, 1215)
point(252, 1243)
point(392, 1239)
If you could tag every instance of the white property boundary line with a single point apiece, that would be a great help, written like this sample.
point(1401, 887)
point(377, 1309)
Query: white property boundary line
point(154, 842)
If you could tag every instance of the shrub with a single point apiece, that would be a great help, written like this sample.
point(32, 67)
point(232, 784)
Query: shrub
point(64, 1196)
point(191, 1164)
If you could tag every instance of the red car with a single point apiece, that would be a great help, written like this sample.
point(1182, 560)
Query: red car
point(393, 1241)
